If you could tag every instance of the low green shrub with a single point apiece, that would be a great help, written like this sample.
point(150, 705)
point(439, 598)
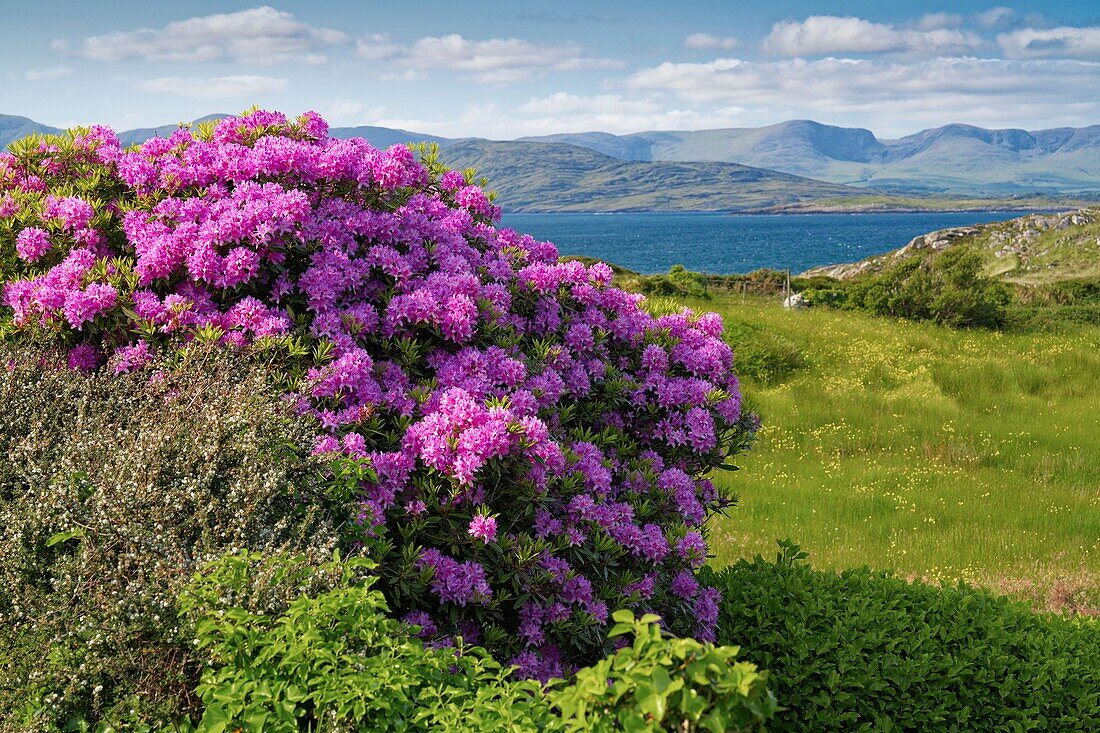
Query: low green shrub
point(335, 661)
point(665, 684)
point(946, 287)
point(864, 651)
point(1083, 291)
point(678, 282)
point(114, 490)
point(762, 355)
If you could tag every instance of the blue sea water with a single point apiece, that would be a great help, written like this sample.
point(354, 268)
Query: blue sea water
point(719, 243)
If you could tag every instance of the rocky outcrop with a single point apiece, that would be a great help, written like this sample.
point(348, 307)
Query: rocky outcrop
point(1012, 238)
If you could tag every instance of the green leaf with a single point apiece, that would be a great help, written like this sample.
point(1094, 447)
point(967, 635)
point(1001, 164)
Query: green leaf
point(60, 537)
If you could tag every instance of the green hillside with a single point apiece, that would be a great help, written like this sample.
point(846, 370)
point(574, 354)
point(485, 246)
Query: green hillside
point(1031, 249)
point(13, 127)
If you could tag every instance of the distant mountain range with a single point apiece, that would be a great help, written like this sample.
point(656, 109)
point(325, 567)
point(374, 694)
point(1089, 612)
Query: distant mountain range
point(954, 159)
point(793, 166)
point(558, 177)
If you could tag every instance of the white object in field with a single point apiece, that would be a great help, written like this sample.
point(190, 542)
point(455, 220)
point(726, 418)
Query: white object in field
point(794, 300)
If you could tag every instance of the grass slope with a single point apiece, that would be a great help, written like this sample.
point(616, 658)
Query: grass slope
point(1030, 250)
point(944, 454)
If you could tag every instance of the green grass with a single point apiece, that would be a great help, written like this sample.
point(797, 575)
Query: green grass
point(946, 455)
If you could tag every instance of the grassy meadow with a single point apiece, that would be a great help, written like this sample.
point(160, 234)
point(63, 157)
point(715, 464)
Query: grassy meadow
point(946, 455)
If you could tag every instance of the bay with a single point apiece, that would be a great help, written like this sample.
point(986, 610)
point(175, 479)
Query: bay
point(651, 242)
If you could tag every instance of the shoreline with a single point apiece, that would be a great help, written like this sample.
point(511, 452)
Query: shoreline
point(805, 212)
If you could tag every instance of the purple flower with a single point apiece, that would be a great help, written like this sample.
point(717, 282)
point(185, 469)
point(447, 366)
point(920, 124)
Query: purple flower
point(456, 582)
point(693, 548)
point(130, 358)
point(84, 357)
point(684, 585)
point(31, 243)
point(483, 528)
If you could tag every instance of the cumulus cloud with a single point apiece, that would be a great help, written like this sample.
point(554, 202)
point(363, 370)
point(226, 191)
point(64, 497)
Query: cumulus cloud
point(998, 17)
point(259, 35)
point(218, 87)
point(705, 41)
point(496, 60)
point(935, 21)
point(53, 72)
point(565, 112)
point(377, 46)
point(818, 35)
point(1064, 42)
point(891, 96)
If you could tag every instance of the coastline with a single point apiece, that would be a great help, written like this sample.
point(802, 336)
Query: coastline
point(788, 210)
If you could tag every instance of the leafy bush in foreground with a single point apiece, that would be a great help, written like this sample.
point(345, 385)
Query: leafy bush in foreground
point(665, 684)
point(114, 490)
point(863, 651)
point(334, 661)
point(535, 444)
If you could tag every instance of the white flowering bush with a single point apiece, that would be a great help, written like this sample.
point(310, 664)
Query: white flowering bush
point(114, 490)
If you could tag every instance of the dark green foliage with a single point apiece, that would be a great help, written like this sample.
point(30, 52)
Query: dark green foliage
point(758, 282)
point(762, 355)
point(679, 282)
point(947, 288)
point(334, 661)
point(113, 491)
point(863, 651)
point(1062, 292)
point(1049, 304)
point(666, 684)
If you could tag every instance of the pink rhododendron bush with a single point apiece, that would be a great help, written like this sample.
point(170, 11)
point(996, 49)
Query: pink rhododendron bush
point(526, 446)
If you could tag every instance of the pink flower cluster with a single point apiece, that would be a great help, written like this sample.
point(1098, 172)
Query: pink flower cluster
point(540, 441)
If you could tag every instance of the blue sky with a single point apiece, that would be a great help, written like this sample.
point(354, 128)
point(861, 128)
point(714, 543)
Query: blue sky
point(506, 69)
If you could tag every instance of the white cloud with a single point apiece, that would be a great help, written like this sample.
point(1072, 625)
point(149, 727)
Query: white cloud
point(377, 46)
point(349, 113)
point(564, 112)
point(219, 87)
point(53, 72)
point(894, 97)
point(566, 103)
point(998, 17)
point(936, 21)
point(497, 60)
point(705, 41)
point(818, 35)
point(259, 35)
point(1064, 42)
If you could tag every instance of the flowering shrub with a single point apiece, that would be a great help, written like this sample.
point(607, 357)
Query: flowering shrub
point(114, 490)
point(532, 444)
